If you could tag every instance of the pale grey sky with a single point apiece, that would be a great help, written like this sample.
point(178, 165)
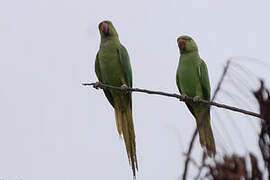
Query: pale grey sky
point(53, 128)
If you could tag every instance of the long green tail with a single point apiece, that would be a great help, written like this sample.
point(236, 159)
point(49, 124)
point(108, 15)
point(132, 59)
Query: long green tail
point(125, 127)
point(206, 136)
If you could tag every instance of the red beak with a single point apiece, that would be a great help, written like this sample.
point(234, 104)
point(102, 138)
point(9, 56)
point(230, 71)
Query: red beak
point(181, 44)
point(104, 27)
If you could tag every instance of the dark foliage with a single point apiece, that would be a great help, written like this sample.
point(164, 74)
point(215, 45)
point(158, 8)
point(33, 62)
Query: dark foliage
point(256, 174)
point(263, 98)
point(234, 168)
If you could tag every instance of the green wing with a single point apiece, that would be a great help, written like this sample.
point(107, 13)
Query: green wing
point(125, 65)
point(98, 73)
point(178, 84)
point(188, 105)
point(204, 80)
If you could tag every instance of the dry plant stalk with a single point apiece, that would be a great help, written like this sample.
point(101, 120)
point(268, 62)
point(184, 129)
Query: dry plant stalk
point(263, 98)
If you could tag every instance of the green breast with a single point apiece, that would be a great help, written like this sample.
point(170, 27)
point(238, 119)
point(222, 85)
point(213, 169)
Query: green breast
point(188, 76)
point(110, 66)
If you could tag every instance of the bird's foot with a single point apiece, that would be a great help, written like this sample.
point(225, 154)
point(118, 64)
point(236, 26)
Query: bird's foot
point(124, 88)
point(96, 85)
point(196, 99)
point(183, 97)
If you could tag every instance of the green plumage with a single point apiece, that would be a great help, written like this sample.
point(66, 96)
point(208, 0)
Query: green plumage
point(192, 80)
point(112, 66)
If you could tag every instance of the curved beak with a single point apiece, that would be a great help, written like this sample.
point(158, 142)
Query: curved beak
point(104, 28)
point(181, 44)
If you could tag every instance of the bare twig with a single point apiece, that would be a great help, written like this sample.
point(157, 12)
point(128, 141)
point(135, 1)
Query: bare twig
point(221, 79)
point(180, 97)
point(201, 167)
point(201, 119)
point(263, 98)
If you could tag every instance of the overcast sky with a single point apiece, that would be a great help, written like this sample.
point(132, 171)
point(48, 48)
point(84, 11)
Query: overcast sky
point(53, 128)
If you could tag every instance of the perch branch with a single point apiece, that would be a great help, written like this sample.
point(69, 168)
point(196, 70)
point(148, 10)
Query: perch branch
point(180, 97)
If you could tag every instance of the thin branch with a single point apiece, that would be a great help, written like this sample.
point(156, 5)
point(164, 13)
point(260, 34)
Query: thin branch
point(221, 79)
point(201, 119)
point(202, 166)
point(180, 97)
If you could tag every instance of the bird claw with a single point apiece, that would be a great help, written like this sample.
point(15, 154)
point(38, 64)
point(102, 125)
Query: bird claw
point(183, 97)
point(196, 99)
point(124, 88)
point(96, 85)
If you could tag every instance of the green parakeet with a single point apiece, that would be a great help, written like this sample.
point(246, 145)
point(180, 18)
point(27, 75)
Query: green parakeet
point(192, 80)
point(112, 66)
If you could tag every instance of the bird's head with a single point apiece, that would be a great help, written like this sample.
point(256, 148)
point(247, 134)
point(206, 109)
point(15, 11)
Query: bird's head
point(107, 30)
point(186, 44)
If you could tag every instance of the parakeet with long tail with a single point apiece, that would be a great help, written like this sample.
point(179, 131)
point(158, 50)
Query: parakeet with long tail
point(192, 80)
point(112, 66)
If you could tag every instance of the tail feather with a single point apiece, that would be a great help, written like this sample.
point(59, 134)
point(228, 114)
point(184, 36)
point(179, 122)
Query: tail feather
point(118, 117)
point(206, 137)
point(125, 127)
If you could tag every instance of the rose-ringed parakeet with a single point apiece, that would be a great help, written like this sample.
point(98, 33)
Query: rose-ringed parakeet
point(192, 80)
point(112, 66)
